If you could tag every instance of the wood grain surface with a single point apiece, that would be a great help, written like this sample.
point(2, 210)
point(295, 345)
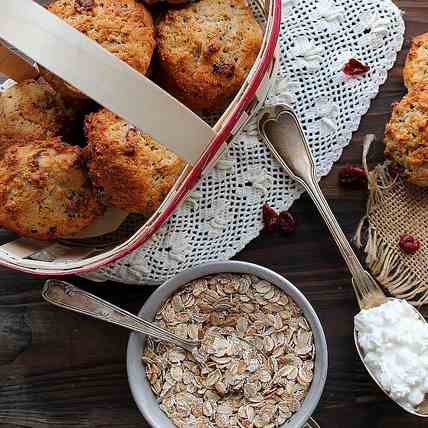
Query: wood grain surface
point(58, 369)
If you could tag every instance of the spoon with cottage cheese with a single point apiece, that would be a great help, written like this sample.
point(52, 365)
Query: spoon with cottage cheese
point(392, 341)
point(391, 336)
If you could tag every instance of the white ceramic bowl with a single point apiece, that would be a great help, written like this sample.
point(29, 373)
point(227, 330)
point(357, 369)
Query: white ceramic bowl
point(140, 388)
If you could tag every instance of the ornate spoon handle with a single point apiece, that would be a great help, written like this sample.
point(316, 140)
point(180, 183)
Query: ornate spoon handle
point(282, 133)
point(67, 296)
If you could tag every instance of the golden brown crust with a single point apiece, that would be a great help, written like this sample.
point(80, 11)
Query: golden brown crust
point(123, 27)
point(206, 50)
point(45, 192)
point(31, 110)
point(416, 66)
point(133, 171)
point(406, 134)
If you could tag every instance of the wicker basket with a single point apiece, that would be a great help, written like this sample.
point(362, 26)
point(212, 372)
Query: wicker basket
point(72, 256)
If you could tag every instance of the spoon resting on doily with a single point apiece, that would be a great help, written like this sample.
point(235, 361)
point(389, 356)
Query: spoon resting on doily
point(283, 134)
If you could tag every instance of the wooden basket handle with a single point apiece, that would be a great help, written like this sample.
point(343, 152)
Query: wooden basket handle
point(14, 66)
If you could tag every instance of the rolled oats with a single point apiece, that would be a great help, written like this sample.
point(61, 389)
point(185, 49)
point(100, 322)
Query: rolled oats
point(257, 348)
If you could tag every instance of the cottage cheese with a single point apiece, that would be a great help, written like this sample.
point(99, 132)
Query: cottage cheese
point(395, 344)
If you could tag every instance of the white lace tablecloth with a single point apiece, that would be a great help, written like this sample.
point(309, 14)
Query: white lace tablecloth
point(223, 214)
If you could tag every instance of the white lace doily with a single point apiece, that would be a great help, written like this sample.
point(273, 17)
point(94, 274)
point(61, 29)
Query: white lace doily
point(223, 214)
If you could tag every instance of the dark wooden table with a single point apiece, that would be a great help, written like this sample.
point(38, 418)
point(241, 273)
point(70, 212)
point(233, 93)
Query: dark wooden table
point(58, 369)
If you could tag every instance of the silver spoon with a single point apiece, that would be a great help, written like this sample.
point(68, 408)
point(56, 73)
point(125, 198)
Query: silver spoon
point(282, 133)
point(67, 296)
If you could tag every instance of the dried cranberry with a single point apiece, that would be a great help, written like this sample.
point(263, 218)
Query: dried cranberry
point(130, 148)
point(212, 48)
point(83, 5)
point(409, 244)
point(72, 207)
point(286, 223)
point(225, 69)
point(355, 68)
point(270, 218)
point(353, 175)
point(395, 170)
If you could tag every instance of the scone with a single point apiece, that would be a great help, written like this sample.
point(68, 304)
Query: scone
point(406, 134)
point(123, 27)
point(132, 171)
point(416, 66)
point(45, 192)
point(205, 51)
point(31, 110)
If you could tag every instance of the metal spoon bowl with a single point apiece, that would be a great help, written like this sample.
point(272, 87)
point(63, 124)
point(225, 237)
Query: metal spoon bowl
point(422, 409)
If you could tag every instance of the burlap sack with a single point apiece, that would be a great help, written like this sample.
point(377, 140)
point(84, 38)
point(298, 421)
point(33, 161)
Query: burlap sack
point(395, 207)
